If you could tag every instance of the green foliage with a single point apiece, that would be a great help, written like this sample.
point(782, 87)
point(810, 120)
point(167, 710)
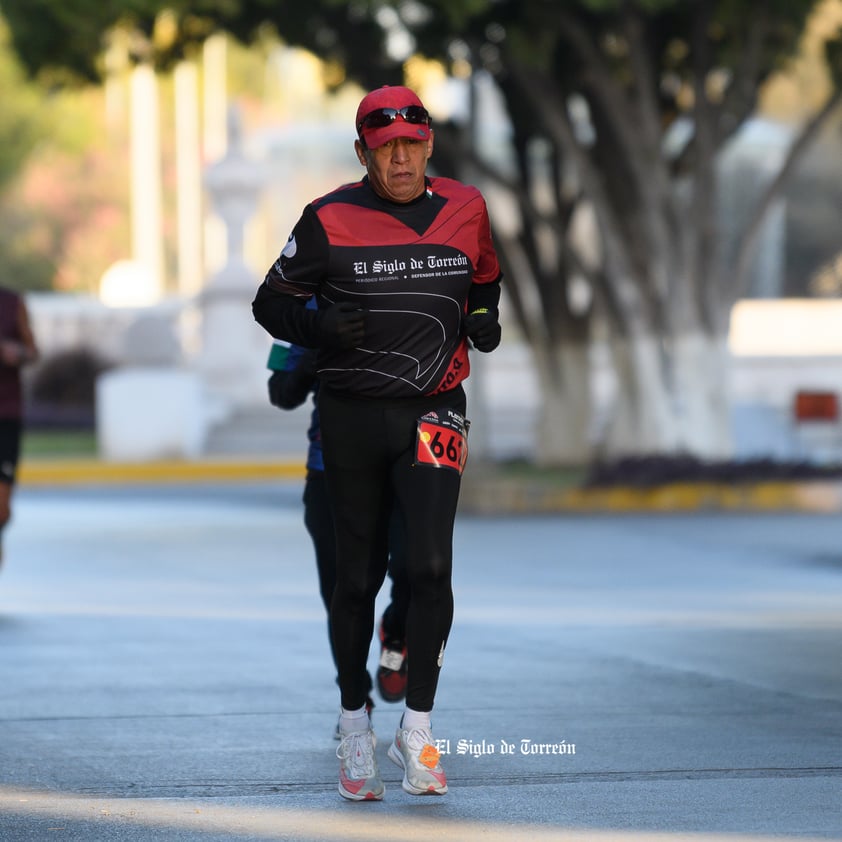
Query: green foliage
point(52, 182)
point(21, 121)
point(23, 125)
point(49, 34)
point(63, 41)
point(24, 264)
point(65, 38)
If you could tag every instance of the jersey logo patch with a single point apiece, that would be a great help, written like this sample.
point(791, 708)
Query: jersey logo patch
point(290, 248)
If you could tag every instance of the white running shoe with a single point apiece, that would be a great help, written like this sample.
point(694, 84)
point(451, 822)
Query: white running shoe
point(414, 750)
point(359, 777)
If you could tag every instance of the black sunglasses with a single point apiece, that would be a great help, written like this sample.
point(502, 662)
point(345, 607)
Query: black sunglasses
point(414, 114)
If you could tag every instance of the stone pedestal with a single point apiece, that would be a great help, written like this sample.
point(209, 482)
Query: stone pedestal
point(148, 414)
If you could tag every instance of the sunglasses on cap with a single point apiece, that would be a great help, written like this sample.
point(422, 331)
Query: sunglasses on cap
point(382, 117)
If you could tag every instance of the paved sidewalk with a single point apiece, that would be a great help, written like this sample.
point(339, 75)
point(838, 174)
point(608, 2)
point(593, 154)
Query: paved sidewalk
point(165, 675)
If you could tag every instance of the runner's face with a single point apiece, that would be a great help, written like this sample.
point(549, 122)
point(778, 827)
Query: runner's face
point(396, 169)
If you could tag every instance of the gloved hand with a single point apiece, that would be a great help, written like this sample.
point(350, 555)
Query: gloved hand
point(483, 329)
point(276, 386)
point(342, 325)
point(288, 388)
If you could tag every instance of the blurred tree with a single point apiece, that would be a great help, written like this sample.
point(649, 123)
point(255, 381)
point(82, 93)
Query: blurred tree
point(56, 185)
point(21, 123)
point(619, 110)
point(813, 201)
point(21, 128)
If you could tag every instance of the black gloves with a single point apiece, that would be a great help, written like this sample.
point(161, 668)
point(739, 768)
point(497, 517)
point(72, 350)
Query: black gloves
point(276, 388)
point(342, 325)
point(483, 329)
point(289, 388)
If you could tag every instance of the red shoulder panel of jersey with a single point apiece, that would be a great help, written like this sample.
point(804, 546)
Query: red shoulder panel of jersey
point(449, 214)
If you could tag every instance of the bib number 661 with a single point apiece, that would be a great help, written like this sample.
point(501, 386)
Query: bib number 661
point(442, 440)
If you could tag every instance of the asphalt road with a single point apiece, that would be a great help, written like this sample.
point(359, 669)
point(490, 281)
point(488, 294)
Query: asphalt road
point(164, 674)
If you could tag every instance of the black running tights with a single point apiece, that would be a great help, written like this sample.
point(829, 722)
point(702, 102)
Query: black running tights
point(369, 448)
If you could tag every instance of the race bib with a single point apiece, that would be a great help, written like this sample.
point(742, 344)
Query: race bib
point(442, 440)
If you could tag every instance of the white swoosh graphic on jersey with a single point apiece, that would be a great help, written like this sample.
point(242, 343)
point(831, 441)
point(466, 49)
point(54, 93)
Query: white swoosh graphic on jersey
point(436, 356)
point(291, 248)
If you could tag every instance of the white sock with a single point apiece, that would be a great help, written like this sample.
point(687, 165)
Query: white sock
point(413, 719)
point(353, 720)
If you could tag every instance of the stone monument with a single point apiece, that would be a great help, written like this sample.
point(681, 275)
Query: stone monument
point(232, 360)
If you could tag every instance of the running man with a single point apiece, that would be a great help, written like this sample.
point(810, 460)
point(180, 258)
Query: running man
point(404, 272)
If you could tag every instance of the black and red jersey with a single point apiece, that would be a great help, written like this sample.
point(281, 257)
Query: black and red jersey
point(410, 266)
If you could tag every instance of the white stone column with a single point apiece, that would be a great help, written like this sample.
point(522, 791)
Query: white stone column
point(214, 134)
point(146, 202)
point(188, 180)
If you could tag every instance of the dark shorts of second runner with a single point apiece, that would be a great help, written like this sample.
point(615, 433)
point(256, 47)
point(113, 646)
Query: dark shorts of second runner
point(10, 435)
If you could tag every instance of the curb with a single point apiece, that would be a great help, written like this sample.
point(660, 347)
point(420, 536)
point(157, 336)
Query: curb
point(499, 495)
point(484, 493)
point(92, 471)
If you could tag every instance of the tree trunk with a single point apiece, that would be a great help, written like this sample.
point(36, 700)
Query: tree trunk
point(564, 417)
point(670, 404)
point(702, 390)
point(641, 417)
